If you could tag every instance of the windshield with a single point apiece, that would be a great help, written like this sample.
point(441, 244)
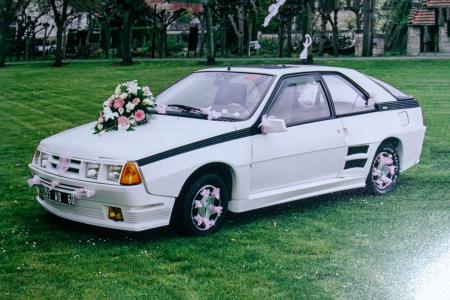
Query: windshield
point(221, 94)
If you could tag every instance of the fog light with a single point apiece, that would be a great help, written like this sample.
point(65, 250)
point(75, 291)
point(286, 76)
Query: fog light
point(115, 214)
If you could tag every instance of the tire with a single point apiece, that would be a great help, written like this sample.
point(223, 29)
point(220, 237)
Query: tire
point(200, 211)
point(384, 171)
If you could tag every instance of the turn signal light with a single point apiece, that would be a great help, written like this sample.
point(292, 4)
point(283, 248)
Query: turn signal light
point(115, 214)
point(130, 174)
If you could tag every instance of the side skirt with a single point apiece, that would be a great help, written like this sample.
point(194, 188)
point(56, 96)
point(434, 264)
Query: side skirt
point(297, 192)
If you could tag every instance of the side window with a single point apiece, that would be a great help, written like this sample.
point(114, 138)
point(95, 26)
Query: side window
point(346, 98)
point(300, 99)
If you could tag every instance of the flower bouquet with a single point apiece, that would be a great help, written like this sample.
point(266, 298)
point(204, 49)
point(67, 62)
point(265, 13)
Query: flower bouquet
point(128, 107)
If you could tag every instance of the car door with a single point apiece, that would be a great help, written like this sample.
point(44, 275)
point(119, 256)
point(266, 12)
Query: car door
point(353, 109)
point(312, 148)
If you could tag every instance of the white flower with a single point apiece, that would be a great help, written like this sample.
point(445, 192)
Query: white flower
point(147, 91)
point(132, 87)
point(148, 102)
point(132, 122)
point(129, 106)
point(108, 114)
point(124, 96)
point(99, 126)
point(118, 90)
point(121, 110)
point(100, 120)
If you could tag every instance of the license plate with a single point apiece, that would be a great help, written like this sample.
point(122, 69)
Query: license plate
point(57, 196)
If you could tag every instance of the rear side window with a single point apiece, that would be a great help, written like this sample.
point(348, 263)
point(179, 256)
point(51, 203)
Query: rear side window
point(347, 99)
point(395, 92)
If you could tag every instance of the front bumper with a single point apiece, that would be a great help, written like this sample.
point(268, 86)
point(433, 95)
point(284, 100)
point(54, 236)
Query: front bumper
point(140, 209)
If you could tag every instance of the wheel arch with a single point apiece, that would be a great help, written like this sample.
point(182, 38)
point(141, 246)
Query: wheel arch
point(397, 144)
point(222, 169)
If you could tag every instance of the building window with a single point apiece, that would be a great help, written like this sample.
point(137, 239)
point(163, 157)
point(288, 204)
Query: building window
point(448, 28)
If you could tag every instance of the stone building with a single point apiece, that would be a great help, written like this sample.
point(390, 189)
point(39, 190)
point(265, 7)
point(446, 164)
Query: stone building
point(429, 27)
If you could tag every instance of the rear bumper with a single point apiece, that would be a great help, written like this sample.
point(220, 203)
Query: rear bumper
point(140, 209)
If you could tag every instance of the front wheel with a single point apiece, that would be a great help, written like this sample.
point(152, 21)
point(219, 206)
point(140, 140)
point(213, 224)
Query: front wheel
point(203, 206)
point(384, 171)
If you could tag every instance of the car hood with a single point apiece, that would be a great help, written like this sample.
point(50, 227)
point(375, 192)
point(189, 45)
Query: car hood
point(160, 134)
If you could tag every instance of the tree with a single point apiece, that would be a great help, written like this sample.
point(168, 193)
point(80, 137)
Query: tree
point(355, 6)
point(368, 6)
point(8, 13)
point(328, 10)
point(63, 16)
point(164, 15)
point(210, 57)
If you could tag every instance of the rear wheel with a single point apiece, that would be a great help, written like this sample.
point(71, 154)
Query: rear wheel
point(203, 206)
point(383, 174)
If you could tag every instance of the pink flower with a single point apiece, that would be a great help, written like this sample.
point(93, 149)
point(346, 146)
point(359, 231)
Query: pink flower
point(204, 193)
point(392, 170)
point(216, 209)
point(136, 101)
point(216, 193)
point(118, 103)
point(387, 180)
point(376, 172)
point(198, 219)
point(139, 115)
point(123, 122)
point(198, 204)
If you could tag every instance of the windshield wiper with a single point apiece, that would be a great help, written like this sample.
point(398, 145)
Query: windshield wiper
point(186, 108)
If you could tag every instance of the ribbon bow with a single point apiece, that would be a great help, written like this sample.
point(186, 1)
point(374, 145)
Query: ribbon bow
point(83, 192)
point(63, 164)
point(34, 181)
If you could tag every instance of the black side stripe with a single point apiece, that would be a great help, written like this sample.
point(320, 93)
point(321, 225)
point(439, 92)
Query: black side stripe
point(355, 163)
point(357, 149)
point(400, 104)
point(200, 144)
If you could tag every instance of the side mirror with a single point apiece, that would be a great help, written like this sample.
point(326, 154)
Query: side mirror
point(270, 125)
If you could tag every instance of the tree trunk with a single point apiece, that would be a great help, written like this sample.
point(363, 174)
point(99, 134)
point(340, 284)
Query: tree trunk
point(289, 39)
point(59, 45)
point(107, 33)
point(241, 30)
point(126, 38)
point(281, 38)
point(210, 36)
point(249, 34)
point(223, 36)
point(368, 27)
point(323, 29)
point(3, 35)
point(163, 41)
point(334, 26)
point(358, 21)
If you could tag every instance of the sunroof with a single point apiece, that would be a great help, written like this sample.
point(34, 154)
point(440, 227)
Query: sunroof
point(264, 66)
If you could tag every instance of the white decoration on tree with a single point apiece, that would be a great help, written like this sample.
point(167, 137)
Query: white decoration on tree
point(306, 44)
point(273, 11)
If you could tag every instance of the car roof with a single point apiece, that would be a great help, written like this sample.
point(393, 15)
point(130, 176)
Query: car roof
point(371, 87)
point(278, 69)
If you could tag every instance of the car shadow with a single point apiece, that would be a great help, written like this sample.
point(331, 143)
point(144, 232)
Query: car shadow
point(168, 232)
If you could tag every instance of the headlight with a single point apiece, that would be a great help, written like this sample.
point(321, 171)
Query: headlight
point(114, 172)
point(92, 170)
point(44, 160)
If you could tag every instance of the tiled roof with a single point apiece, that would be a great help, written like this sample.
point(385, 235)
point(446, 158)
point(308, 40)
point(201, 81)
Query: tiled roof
point(438, 3)
point(419, 16)
point(174, 5)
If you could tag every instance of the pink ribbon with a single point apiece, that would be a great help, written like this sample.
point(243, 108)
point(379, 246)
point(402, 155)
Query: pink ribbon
point(83, 192)
point(211, 114)
point(35, 180)
point(54, 184)
point(63, 164)
point(371, 101)
point(160, 109)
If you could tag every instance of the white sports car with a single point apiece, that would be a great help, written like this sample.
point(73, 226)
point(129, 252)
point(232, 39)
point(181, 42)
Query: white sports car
point(273, 134)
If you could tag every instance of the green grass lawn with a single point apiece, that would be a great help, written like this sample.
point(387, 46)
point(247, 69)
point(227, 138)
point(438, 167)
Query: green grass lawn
point(345, 245)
